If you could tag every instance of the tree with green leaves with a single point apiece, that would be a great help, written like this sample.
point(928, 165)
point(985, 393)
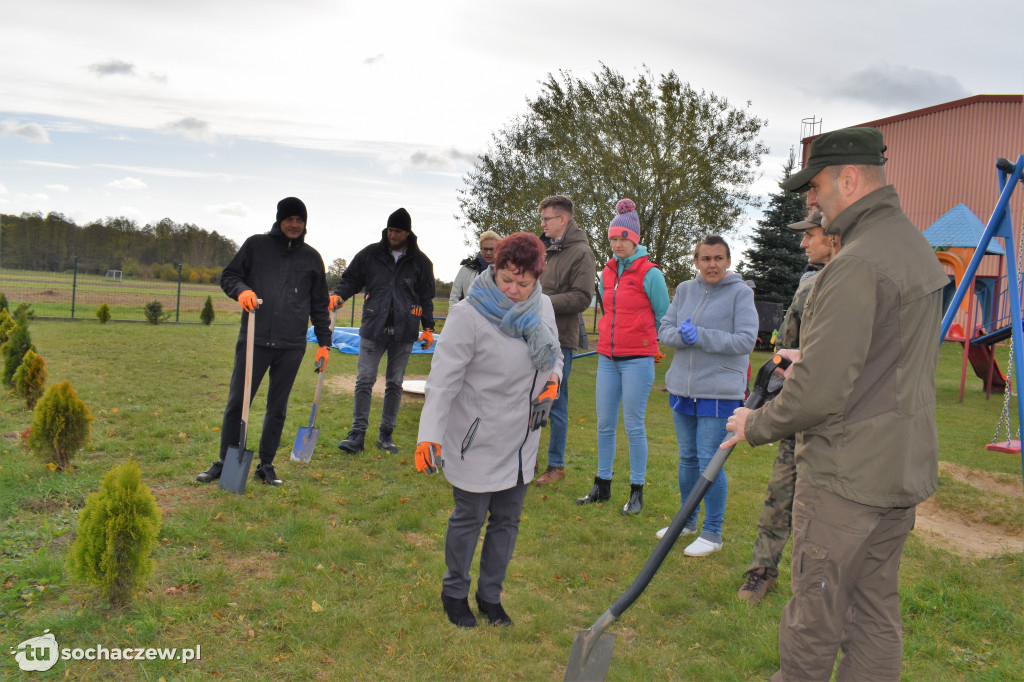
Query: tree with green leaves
point(14, 348)
point(776, 261)
point(685, 157)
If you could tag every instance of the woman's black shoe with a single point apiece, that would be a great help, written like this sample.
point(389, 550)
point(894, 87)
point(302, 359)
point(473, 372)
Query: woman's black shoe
point(636, 500)
point(601, 492)
point(458, 611)
point(495, 613)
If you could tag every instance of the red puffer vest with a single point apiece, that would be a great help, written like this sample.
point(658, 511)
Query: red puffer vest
point(628, 326)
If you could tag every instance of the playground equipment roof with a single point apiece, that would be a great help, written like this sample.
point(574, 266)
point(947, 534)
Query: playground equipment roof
point(959, 228)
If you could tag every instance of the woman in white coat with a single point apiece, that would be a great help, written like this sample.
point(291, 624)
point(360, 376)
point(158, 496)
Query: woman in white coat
point(493, 378)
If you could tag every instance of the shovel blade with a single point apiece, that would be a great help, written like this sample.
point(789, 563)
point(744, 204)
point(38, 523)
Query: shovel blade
point(590, 658)
point(305, 441)
point(236, 470)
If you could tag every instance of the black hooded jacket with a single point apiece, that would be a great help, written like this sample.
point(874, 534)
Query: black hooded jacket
point(289, 276)
point(393, 290)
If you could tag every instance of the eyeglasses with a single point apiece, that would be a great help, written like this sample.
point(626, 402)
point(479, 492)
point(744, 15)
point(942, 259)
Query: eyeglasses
point(544, 220)
point(485, 250)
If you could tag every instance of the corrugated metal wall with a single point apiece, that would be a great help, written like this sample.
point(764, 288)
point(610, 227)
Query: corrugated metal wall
point(946, 154)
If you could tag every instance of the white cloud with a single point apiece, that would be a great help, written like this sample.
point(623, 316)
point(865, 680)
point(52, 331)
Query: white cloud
point(191, 128)
point(171, 172)
point(31, 132)
point(113, 67)
point(58, 188)
point(127, 183)
point(233, 208)
point(3, 190)
point(370, 61)
point(49, 164)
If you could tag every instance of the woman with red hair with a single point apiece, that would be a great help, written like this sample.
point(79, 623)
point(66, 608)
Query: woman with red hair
point(493, 378)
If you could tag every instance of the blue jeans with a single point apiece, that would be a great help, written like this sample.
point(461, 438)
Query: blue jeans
point(699, 438)
point(370, 353)
point(625, 382)
point(559, 418)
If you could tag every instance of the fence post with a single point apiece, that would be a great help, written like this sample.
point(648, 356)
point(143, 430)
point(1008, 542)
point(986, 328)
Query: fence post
point(74, 287)
point(177, 304)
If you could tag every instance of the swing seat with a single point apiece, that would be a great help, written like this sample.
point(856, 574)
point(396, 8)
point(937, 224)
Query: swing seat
point(1011, 446)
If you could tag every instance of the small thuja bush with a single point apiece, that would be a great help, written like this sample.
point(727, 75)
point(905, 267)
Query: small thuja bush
point(117, 530)
point(103, 313)
point(30, 378)
point(207, 315)
point(3, 303)
point(155, 312)
point(6, 326)
point(62, 425)
point(14, 348)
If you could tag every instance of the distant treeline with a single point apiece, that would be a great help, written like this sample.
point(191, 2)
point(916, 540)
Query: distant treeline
point(34, 242)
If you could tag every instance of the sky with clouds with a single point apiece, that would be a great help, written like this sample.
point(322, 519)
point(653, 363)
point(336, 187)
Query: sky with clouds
point(210, 112)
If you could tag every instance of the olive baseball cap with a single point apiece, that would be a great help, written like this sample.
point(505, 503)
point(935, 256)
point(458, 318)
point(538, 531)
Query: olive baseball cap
point(848, 146)
point(814, 220)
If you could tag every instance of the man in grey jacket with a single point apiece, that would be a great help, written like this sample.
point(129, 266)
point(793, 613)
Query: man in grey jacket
point(861, 396)
point(568, 280)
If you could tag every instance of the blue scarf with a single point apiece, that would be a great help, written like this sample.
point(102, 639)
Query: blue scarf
point(514, 319)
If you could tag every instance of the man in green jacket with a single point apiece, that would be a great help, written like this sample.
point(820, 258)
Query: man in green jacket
point(861, 396)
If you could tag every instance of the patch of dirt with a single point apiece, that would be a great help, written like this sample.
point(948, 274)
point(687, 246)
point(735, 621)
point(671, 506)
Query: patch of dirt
point(946, 529)
point(171, 498)
point(420, 540)
point(346, 383)
point(259, 566)
point(1003, 484)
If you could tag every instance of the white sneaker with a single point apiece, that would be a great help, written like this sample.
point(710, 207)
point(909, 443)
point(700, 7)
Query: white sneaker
point(687, 530)
point(702, 547)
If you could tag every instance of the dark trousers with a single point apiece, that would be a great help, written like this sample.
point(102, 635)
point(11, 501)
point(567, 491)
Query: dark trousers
point(471, 510)
point(846, 559)
point(283, 366)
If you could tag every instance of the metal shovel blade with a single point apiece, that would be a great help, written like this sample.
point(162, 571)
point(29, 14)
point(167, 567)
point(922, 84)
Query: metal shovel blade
point(590, 657)
point(236, 470)
point(305, 442)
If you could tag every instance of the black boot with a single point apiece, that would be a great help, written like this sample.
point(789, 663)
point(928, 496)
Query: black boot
point(494, 612)
point(601, 491)
point(353, 442)
point(458, 611)
point(385, 443)
point(211, 474)
point(636, 500)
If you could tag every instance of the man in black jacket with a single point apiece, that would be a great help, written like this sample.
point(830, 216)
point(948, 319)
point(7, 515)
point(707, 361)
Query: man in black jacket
point(399, 290)
point(288, 275)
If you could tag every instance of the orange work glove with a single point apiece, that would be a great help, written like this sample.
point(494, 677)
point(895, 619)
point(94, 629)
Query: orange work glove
point(336, 302)
point(247, 299)
point(427, 337)
point(659, 357)
point(322, 355)
point(540, 408)
point(416, 310)
point(428, 457)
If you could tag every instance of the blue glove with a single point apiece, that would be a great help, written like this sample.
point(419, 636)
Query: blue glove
point(688, 330)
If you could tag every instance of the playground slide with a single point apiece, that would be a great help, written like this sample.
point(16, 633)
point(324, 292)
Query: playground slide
point(981, 357)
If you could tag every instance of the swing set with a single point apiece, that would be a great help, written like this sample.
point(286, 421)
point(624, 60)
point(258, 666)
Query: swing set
point(1010, 326)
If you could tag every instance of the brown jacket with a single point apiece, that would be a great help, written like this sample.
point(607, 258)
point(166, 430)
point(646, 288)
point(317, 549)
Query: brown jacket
point(568, 280)
point(862, 397)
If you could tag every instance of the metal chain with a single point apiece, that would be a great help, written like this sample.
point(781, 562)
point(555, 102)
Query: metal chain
point(1004, 418)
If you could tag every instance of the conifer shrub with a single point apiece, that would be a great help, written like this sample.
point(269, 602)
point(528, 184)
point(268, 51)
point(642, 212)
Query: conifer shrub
point(207, 315)
point(103, 313)
point(117, 531)
point(155, 312)
point(6, 325)
point(30, 378)
point(62, 425)
point(14, 348)
point(3, 303)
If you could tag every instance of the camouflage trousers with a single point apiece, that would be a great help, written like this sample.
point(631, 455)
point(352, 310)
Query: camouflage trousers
point(775, 524)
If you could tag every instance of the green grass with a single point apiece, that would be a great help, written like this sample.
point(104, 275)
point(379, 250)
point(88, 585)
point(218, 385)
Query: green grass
point(363, 537)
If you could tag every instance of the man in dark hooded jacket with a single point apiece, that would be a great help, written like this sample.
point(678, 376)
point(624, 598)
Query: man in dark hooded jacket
point(399, 290)
point(284, 277)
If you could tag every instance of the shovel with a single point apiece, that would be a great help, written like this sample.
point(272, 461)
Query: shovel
point(591, 652)
point(238, 460)
point(305, 439)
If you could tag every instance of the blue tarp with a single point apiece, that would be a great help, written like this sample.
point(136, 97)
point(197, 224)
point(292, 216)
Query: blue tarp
point(346, 339)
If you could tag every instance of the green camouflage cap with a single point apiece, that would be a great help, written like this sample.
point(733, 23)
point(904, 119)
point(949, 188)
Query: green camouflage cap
point(848, 146)
point(813, 221)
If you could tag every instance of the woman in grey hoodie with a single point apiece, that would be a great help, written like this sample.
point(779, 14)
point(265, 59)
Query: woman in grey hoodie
point(712, 325)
